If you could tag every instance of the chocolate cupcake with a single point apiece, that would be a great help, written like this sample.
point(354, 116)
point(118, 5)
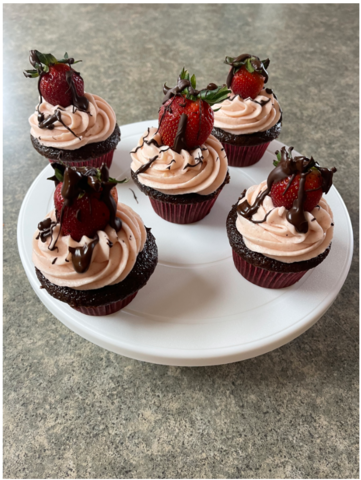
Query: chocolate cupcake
point(68, 125)
point(282, 228)
point(91, 251)
point(251, 117)
point(180, 166)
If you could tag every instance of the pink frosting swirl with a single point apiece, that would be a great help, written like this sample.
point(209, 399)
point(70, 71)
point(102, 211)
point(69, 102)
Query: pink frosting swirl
point(95, 125)
point(277, 238)
point(239, 116)
point(109, 264)
point(201, 171)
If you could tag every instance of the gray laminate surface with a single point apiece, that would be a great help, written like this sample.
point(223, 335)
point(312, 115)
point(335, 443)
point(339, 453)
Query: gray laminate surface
point(72, 409)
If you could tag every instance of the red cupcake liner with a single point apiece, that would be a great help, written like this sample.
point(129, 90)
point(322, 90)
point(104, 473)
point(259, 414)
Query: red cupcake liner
point(244, 156)
point(183, 213)
point(265, 278)
point(91, 162)
point(106, 309)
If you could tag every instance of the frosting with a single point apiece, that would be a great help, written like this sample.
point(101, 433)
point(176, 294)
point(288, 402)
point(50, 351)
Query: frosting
point(200, 171)
point(112, 259)
point(239, 116)
point(277, 238)
point(94, 125)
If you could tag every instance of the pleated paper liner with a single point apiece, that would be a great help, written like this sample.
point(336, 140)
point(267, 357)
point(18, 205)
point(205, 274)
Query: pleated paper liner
point(265, 278)
point(91, 162)
point(239, 156)
point(183, 213)
point(106, 309)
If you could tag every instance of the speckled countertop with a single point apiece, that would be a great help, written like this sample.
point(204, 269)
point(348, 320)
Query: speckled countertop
point(74, 410)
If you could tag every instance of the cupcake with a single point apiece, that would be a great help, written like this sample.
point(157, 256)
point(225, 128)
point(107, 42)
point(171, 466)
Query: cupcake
point(251, 117)
point(179, 165)
point(282, 228)
point(70, 126)
point(92, 252)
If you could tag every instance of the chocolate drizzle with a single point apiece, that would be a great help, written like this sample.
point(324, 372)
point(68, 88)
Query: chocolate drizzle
point(114, 221)
point(81, 256)
point(246, 210)
point(80, 102)
point(262, 102)
point(180, 140)
point(170, 163)
point(145, 167)
point(46, 228)
point(199, 162)
point(134, 195)
point(177, 90)
point(296, 215)
point(51, 119)
point(289, 167)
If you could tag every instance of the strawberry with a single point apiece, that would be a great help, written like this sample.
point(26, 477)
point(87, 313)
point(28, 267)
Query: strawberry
point(247, 75)
point(285, 198)
point(199, 124)
point(294, 173)
point(85, 216)
point(59, 84)
point(54, 86)
point(186, 118)
point(82, 201)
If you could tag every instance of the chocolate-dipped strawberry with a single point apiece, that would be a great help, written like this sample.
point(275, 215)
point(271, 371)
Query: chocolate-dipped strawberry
point(247, 75)
point(70, 125)
point(296, 183)
point(85, 200)
point(186, 118)
point(58, 83)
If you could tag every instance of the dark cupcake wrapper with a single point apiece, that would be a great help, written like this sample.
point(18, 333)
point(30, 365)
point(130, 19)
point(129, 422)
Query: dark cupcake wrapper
point(97, 162)
point(244, 156)
point(183, 213)
point(108, 309)
point(265, 278)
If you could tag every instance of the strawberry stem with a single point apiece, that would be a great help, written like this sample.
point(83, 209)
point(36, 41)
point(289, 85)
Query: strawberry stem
point(42, 61)
point(186, 86)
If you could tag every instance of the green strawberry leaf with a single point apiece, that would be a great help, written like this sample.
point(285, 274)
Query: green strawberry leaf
point(229, 60)
point(266, 63)
point(59, 175)
point(215, 96)
point(184, 74)
point(66, 55)
point(114, 180)
point(249, 65)
point(81, 195)
point(31, 73)
point(278, 155)
point(46, 58)
point(193, 81)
